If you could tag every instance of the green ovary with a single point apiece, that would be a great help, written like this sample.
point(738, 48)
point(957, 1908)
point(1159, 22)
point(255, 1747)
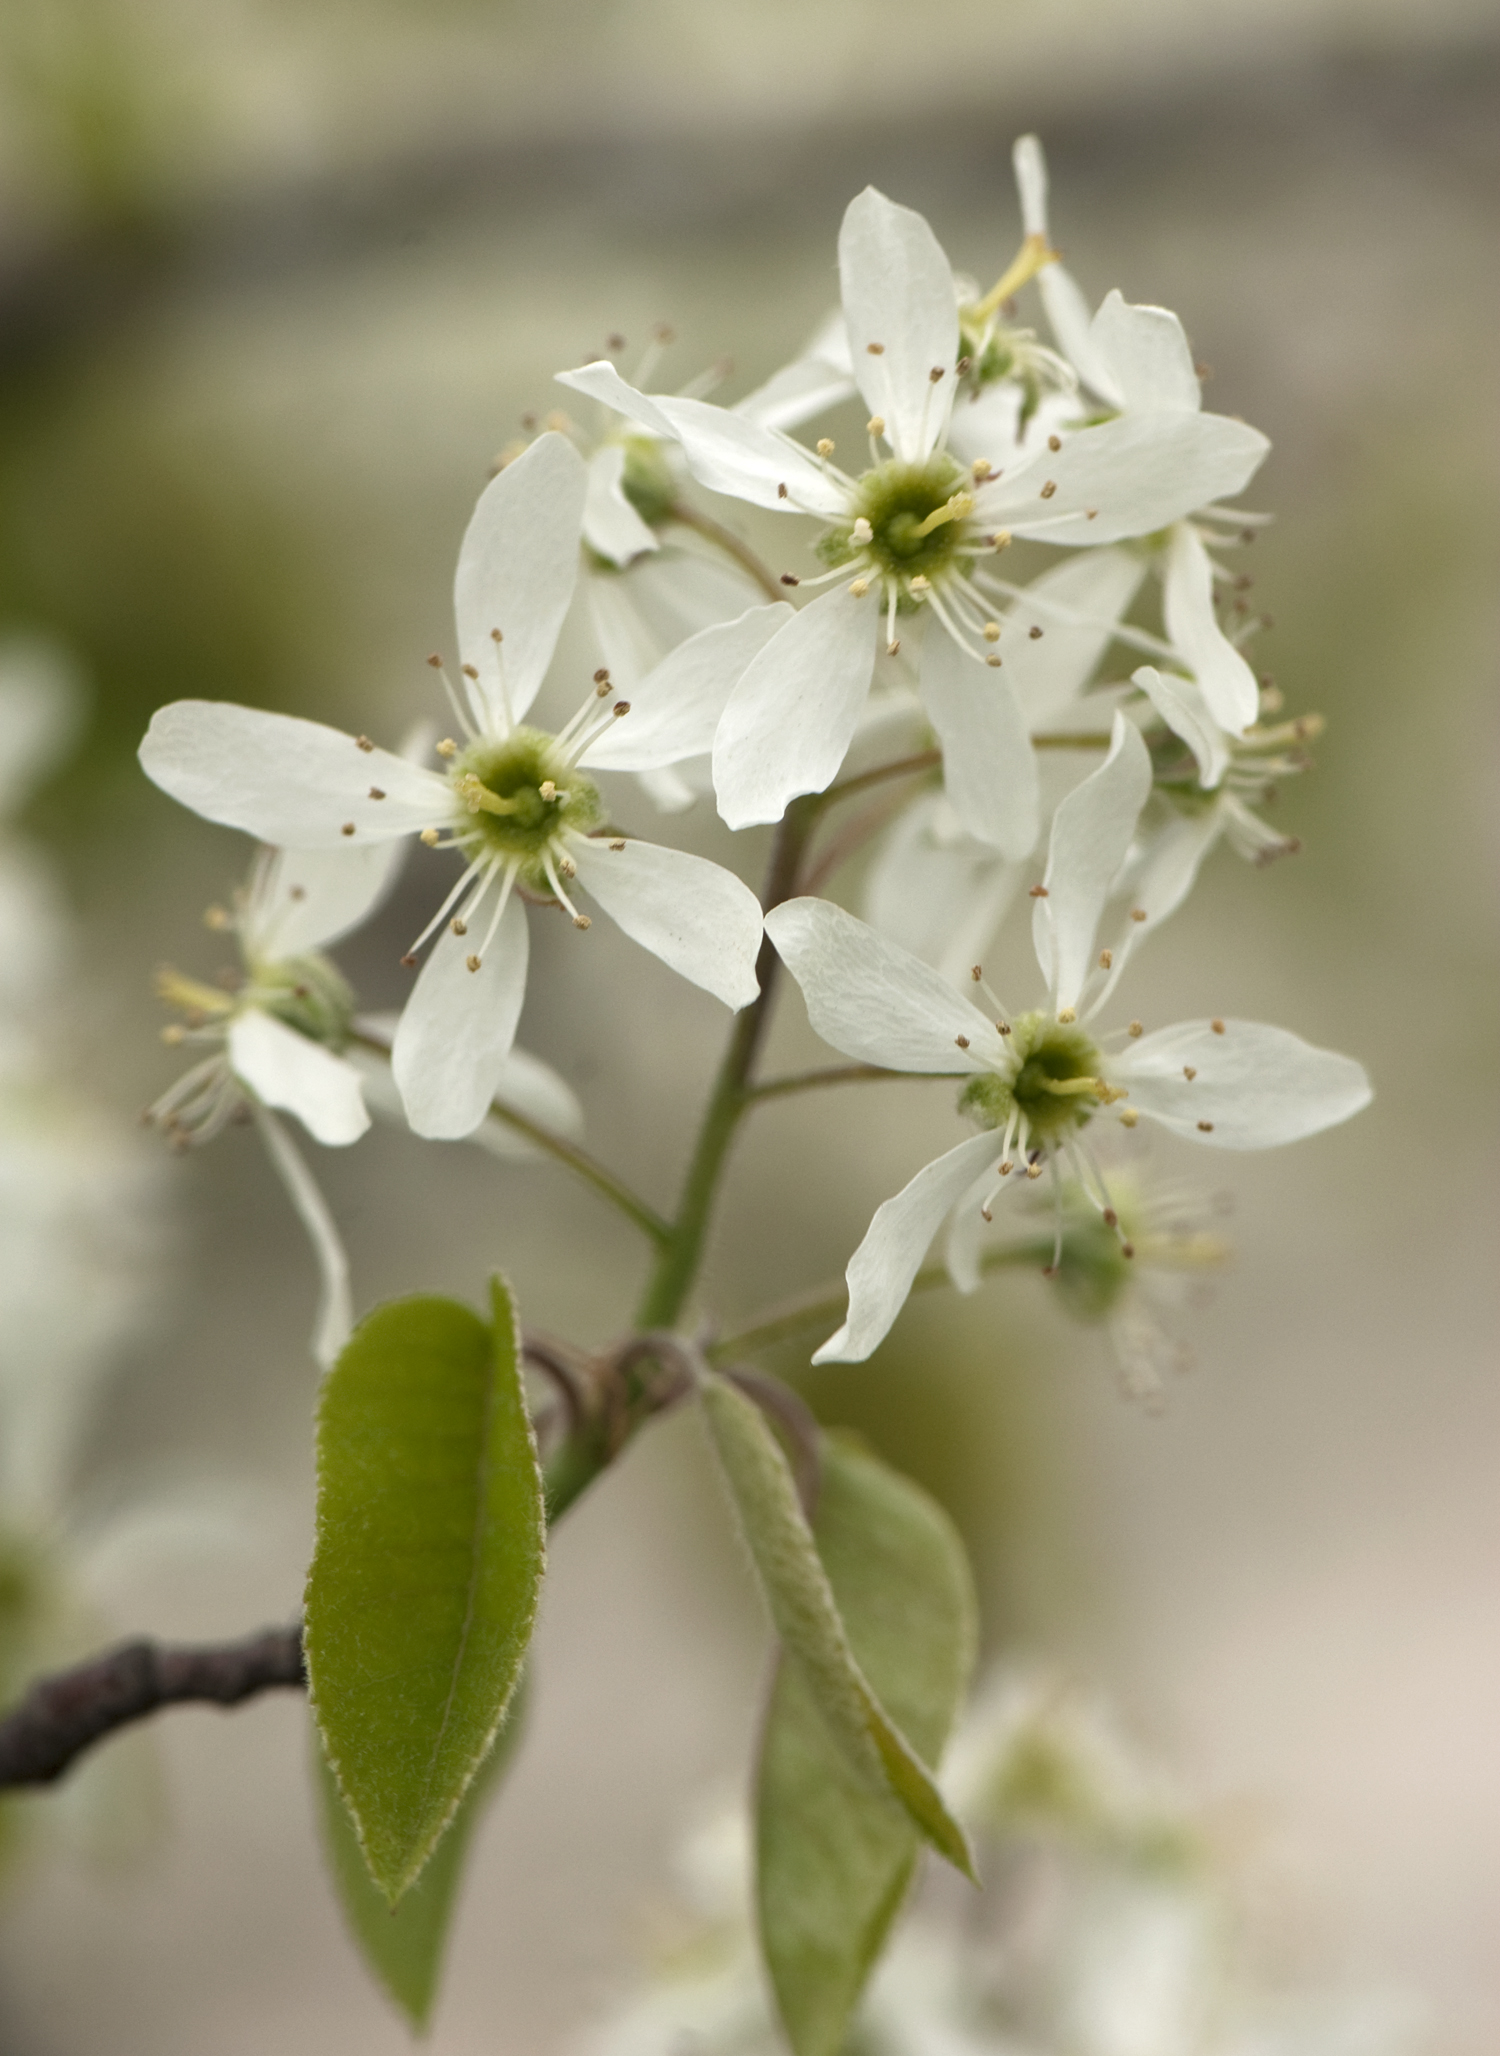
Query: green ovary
point(898, 499)
point(308, 994)
point(1054, 1087)
point(647, 480)
point(509, 816)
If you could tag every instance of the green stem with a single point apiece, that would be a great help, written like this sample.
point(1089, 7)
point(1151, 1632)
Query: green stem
point(827, 1074)
point(800, 1315)
point(604, 1181)
point(677, 1266)
point(726, 540)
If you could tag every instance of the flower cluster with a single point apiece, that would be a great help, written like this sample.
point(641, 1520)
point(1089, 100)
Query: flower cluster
point(1087, 734)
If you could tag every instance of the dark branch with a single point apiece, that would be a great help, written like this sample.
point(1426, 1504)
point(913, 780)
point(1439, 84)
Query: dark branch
point(66, 1713)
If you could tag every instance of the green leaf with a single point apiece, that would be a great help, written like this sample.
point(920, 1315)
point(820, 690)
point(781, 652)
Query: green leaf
point(831, 1869)
point(403, 1945)
point(424, 1580)
point(807, 1620)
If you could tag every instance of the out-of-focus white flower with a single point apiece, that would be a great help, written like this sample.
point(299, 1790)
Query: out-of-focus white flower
point(40, 711)
point(516, 803)
point(1036, 1079)
point(910, 535)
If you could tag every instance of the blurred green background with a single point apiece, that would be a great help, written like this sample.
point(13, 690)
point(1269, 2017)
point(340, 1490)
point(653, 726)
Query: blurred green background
point(275, 284)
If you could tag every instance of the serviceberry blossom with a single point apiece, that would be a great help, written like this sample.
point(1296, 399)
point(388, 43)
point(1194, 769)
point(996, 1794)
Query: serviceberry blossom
point(1037, 1079)
point(909, 538)
point(514, 801)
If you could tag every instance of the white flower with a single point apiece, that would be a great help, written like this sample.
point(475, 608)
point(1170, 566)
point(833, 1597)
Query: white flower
point(514, 800)
point(910, 535)
point(1137, 361)
point(1036, 1079)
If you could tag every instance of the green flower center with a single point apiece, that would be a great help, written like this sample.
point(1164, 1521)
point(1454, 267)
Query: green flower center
point(647, 480)
point(517, 800)
point(1054, 1088)
point(309, 994)
point(917, 516)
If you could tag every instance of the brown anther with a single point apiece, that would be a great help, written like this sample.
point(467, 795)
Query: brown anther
point(1106, 958)
point(437, 664)
point(994, 662)
point(1205, 1127)
point(664, 333)
point(1049, 488)
point(459, 927)
point(496, 636)
point(1111, 1218)
point(1054, 442)
point(582, 921)
point(964, 364)
point(1189, 1073)
point(469, 671)
point(935, 376)
point(1033, 1170)
point(617, 845)
point(409, 961)
point(1135, 1028)
point(1217, 1027)
point(790, 578)
point(471, 963)
point(620, 707)
point(300, 991)
point(298, 892)
point(875, 349)
point(614, 342)
point(985, 1214)
point(1127, 1249)
point(977, 973)
point(1035, 633)
point(347, 829)
point(1039, 892)
point(781, 492)
point(1204, 371)
point(1091, 513)
point(363, 742)
point(1003, 1026)
point(893, 648)
point(376, 793)
point(1006, 1168)
point(962, 1041)
point(1137, 913)
point(601, 676)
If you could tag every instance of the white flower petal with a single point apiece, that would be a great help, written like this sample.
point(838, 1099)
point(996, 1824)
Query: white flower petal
point(1072, 327)
point(1148, 357)
point(458, 1027)
point(989, 766)
point(303, 900)
point(936, 891)
point(1255, 1086)
point(966, 1229)
point(874, 1000)
point(696, 916)
point(1030, 167)
point(1076, 606)
point(882, 1268)
point(1168, 865)
point(724, 451)
point(1181, 704)
point(820, 378)
point(517, 566)
point(1133, 475)
point(293, 783)
point(335, 1316)
point(600, 381)
point(610, 524)
point(1091, 833)
point(285, 1069)
point(898, 293)
point(543, 1095)
point(789, 721)
point(1188, 608)
point(675, 710)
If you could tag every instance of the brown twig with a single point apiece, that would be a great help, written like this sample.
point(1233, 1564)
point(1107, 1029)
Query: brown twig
point(64, 1714)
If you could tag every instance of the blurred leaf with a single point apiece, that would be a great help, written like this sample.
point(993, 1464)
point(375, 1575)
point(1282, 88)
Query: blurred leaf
point(404, 1944)
point(807, 1620)
point(831, 1869)
point(424, 1580)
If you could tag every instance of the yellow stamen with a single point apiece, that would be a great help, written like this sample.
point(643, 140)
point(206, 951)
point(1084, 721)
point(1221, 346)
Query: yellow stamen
point(957, 509)
point(1033, 256)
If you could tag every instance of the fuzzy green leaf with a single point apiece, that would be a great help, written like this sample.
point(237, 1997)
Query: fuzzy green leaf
point(403, 1945)
point(831, 1869)
point(424, 1580)
point(807, 1621)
